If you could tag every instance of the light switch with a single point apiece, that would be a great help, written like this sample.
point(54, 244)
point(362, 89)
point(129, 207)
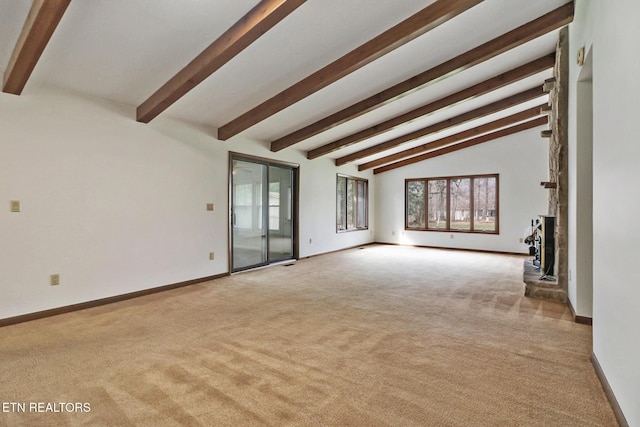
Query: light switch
point(211, 256)
point(55, 279)
point(210, 207)
point(15, 206)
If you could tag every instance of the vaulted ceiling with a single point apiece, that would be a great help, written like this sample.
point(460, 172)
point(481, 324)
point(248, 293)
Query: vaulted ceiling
point(367, 82)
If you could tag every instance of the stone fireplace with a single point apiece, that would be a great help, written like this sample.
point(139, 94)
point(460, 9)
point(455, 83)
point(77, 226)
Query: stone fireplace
point(541, 285)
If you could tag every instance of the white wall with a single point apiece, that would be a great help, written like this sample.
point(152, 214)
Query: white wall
point(580, 152)
point(616, 151)
point(115, 206)
point(522, 162)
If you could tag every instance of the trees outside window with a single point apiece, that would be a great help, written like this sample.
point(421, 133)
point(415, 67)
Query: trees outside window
point(437, 204)
point(460, 204)
point(485, 213)
point(352, 203)
point(463, 203)
point(416, 214)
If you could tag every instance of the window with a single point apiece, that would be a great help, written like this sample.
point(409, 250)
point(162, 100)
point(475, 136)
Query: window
point(274, 206)
point(463, 203)
point(244, 197)
point(352, 203)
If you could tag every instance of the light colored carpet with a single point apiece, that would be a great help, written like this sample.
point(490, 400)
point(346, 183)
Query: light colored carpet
point(382, 336)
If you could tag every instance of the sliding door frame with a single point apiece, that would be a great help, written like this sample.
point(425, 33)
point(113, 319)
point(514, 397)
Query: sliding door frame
point(295, 206)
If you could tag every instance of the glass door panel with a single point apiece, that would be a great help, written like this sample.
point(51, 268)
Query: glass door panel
point(262, 213)
point(248, 215)
point(280, 213)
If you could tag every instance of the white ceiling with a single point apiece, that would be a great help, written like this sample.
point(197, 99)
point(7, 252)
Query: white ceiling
point(124, 50)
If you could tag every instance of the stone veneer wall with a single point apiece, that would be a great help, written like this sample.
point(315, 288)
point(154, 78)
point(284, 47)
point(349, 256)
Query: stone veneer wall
point(559, 158)
point(558, 175)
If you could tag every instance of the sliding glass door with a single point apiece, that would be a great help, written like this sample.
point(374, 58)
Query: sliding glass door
point(280, 241)
point(247, 214)
point(262, 212)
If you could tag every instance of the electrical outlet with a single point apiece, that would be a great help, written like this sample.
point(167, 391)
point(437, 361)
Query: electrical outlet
point(211, 256)
point(521, 240)
point(15, 206)
point(55, 279)
point(210, 207)
point(451, 236)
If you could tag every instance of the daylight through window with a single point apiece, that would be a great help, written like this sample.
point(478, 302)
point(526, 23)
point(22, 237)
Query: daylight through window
point(352, 203)
point(464, 203)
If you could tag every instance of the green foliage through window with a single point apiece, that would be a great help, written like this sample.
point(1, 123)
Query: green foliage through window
point(352, 203)
point(464, 203)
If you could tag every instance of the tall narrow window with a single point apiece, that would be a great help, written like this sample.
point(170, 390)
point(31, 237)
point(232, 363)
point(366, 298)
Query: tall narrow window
point(416, 214)
point(460, 203)
point(352, 203)
point(351, 198)
point(274, 206)
point(463, 203)
point(485, 205)
point(437, 204)
point(341, 203)
point(361, 200)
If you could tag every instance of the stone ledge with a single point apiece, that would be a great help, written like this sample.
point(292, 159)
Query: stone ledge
point(536, 287)
point(556, 295)
point(533, 275)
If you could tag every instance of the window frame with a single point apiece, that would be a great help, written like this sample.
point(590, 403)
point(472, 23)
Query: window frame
point(449, 179)
point(354, 205)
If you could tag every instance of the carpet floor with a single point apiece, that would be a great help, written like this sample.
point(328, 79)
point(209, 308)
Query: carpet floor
point(380, 336)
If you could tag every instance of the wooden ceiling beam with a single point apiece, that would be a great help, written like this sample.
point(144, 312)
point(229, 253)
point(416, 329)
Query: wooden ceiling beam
point(482, 88)
point(527, 32)
point(527, 114)
point(427, 19)
point(41, 22)
point(478, 113)
point(541, 121)
point(243, 33)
